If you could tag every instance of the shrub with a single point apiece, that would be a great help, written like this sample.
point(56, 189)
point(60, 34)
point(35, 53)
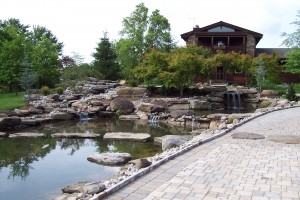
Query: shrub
point(45, 90)
point(118, 113)
point(59, 90)
point(291, 94)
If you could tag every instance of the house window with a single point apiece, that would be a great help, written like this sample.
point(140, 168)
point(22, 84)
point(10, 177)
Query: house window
point(237, 71)
point(221, 29)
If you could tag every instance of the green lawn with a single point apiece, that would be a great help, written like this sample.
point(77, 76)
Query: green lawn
point(10, 100)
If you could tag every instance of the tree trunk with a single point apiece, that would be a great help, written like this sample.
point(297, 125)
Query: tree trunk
point(181, 91)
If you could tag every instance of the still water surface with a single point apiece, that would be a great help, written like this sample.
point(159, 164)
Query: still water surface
point(39, 168)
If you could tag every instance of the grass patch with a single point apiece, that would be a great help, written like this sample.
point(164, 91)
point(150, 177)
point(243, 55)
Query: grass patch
point(10, 101)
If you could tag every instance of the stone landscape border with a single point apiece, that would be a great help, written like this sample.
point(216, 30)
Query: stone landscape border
point(146, 170)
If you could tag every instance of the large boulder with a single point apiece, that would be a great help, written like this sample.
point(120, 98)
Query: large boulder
point(160, 102)
point(140, 163)
point(9, 122)
point(179, 113)
point(151, 108)
point(62, 116)
point(112, 159)
point(84, 187)
point(141, 137)
point(124, 105)
point(132, 91)
point(170, 141)
point(200, 105)
point(268, 93)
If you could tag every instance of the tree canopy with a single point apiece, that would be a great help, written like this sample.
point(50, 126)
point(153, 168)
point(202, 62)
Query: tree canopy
point(141, 33)
point(292, 40)
point(38, 47)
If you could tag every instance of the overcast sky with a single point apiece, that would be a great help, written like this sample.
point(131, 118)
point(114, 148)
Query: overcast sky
point(80, 24)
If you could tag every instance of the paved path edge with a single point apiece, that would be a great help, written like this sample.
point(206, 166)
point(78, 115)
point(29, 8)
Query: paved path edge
point(146, 170)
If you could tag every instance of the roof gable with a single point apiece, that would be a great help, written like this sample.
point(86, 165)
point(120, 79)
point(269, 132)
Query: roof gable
point(221, 27)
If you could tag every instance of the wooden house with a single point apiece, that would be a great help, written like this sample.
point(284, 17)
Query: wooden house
point(227, 37)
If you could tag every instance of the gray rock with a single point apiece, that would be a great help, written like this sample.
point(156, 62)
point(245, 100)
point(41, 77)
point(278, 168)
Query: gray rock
point(113, 159)
point(179, 113)
point(132, 91)
point(129, 117)
point(93, 188)
point(74, 188)
point(140, 163)
point(170, 141)
point(96, 103)
point(62, 116)
point(159, 102)
point(27, 135)
point(124, 105)
point(200, 105)
point(179, 106)
point(2, 134)
point(141, 137)
point(30, 122)
point(9, 122)
point(151, 108)
point(35, 111)
point(75, 135)
point(73, 196)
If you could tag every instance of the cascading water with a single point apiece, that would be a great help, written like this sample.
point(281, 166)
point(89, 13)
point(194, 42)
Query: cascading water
point(83, 116)
point(233, 100)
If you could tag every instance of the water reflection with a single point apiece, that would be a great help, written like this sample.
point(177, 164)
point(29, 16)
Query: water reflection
point(48, 164)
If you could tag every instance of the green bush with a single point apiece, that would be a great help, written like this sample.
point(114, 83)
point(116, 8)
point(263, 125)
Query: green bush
point(118, 113)
point(45, 90)
point(291, 94)
point(132, 83)
point(59, 90)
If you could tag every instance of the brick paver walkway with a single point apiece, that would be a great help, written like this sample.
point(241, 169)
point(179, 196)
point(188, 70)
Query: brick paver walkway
point(228, 168)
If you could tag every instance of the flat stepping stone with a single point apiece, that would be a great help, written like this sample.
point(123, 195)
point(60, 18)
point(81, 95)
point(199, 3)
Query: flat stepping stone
point(75, 135)
point(129, 117)
point(140, 137)
point(27, 135)
point(2, 134)
point(286, 139)
point(248, 136)
point(112, 159)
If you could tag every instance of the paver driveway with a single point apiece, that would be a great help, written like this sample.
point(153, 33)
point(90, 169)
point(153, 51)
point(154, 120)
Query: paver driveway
point(228, 168)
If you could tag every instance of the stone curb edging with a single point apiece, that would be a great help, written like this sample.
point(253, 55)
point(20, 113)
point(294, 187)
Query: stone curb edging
point(146, 170)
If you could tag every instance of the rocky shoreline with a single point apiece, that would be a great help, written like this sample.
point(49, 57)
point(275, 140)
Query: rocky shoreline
point(105, 99)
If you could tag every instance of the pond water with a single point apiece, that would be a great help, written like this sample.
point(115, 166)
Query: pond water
point(39, 168)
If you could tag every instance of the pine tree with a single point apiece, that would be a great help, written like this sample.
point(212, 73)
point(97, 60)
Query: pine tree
point(105, 59)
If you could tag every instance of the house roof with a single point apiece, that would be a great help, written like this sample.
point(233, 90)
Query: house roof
point(205, 31)
point(281, 52)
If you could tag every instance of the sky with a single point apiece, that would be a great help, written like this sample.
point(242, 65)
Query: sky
point(80, 24)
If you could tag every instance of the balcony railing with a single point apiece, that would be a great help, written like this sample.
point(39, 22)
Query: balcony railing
point(226, 49)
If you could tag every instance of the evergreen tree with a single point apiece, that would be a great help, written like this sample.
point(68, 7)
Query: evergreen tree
point(105, 59)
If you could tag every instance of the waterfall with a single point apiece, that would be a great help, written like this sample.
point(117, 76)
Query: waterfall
point(154, 119)
point(83, 116)
point(233, 100)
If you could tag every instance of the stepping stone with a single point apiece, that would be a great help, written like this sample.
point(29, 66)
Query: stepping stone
point(140, 137)
point(113, 159)
point(286, 139)
point(249, 136)
point(75, 135)
point(27, 135)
